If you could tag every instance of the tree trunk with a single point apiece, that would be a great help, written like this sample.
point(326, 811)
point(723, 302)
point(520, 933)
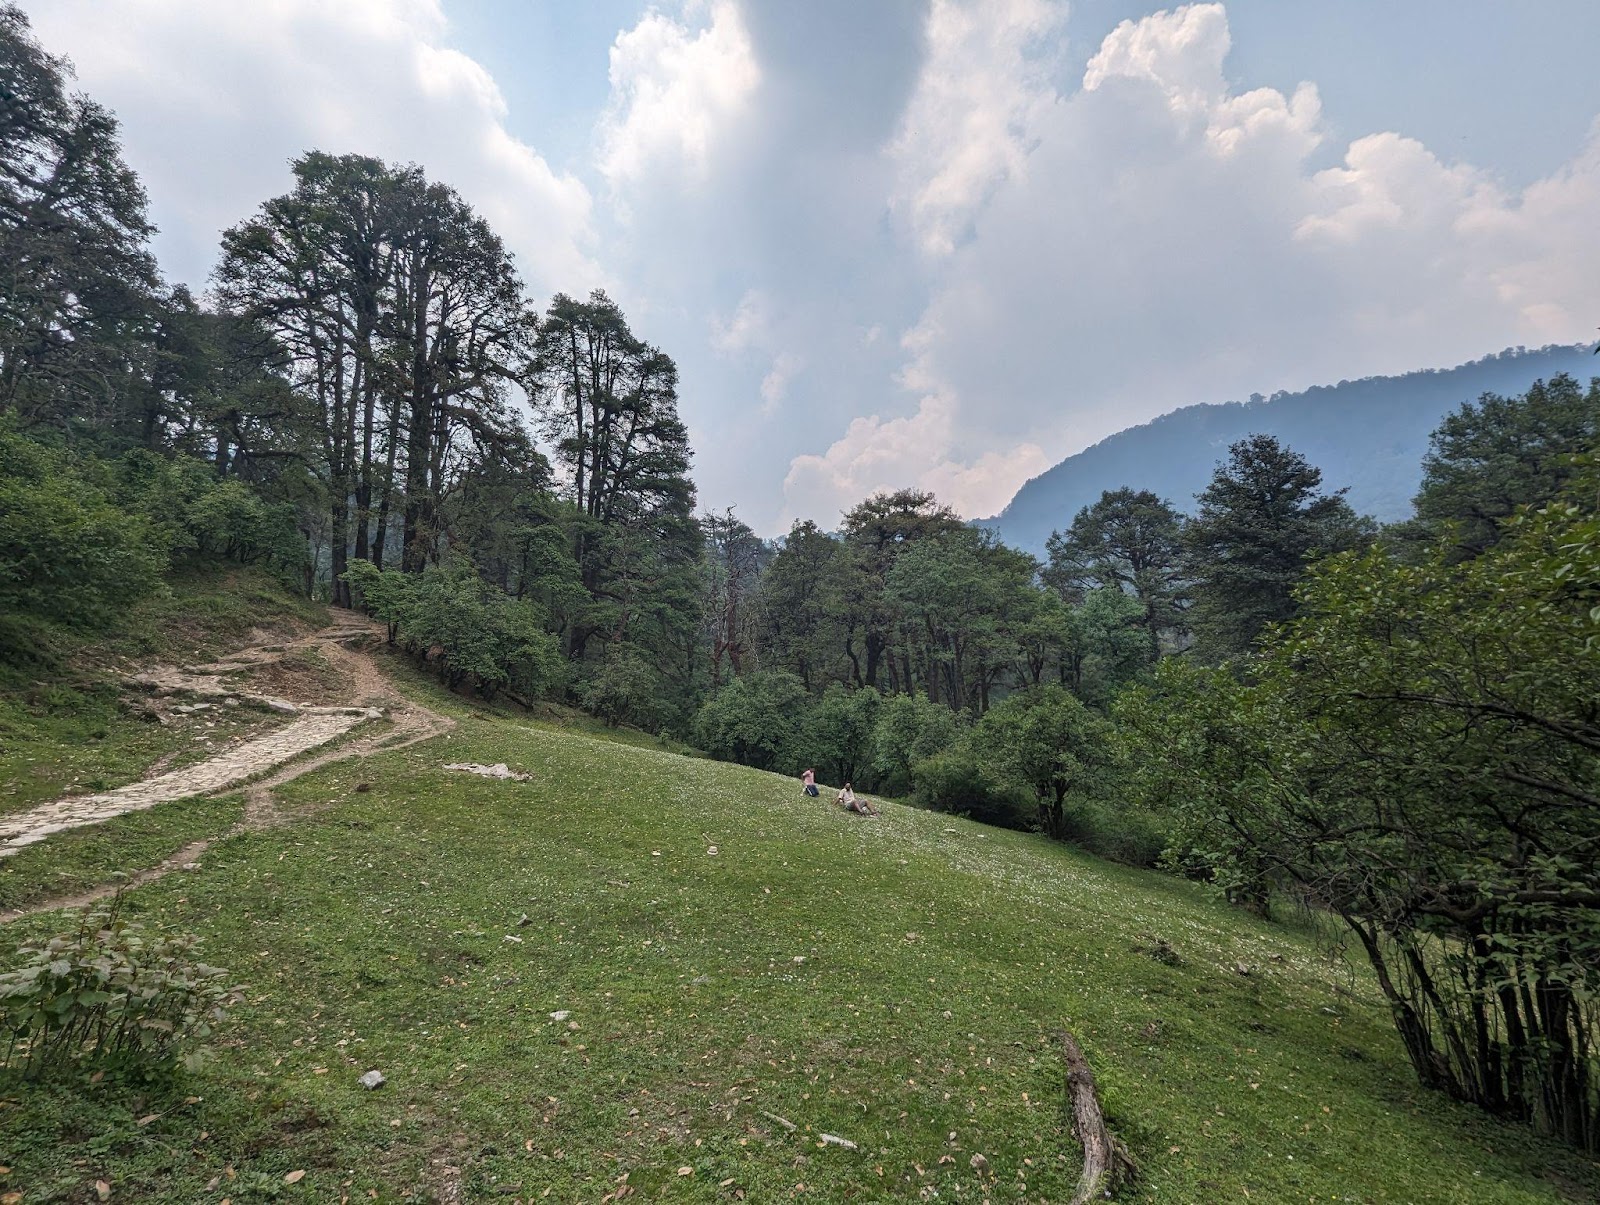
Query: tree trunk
point(338, 546)
point(381, 535)
point(875, 646)
point(1106, 1162)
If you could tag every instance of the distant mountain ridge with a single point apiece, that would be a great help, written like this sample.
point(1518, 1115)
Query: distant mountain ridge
point(1368, 435)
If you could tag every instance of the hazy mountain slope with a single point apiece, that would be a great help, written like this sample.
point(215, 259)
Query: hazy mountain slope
point(1369, 435)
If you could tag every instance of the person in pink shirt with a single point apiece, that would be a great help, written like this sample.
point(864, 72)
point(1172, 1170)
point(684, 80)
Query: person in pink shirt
point(809, 778)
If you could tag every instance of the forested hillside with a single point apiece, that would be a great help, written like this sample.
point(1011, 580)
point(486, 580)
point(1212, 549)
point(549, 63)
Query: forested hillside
point(1367, 436)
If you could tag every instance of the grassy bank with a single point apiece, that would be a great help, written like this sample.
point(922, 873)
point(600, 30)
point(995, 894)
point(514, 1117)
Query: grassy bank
point(725, 952)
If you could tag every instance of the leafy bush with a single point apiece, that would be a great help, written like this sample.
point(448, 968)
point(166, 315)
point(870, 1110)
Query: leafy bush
point(66, 552)
point(232, 521)
point(957, 780)
point(625, 689)
point(1418, 754)
point(82, 538)
point(473, 631)
point(1046, 741)
point(111, 995)
point(753, 720)
point(836, 736)
point(909, 729)
point(200, 517)
point(1117, 832)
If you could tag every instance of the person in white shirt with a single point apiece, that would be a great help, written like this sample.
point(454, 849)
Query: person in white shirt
point(848, 801)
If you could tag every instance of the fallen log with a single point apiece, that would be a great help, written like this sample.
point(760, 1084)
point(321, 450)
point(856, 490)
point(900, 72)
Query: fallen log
point(1106, 1162)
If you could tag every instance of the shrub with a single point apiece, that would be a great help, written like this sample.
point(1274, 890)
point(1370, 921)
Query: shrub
point(1130, 835)
point(474, 630)
point(233, 521)
point(836, 736)
point(66, 552)
point(1047, 741)
point(753, 720)
point(625, 689)
point(909, 729)
point(111, 995)
point(956, 780)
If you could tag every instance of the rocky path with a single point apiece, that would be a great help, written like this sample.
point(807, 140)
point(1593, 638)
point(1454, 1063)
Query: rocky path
point(227, 769)
point(272, 760)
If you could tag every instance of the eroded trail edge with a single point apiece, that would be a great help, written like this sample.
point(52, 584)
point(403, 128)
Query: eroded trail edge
point(271, 760)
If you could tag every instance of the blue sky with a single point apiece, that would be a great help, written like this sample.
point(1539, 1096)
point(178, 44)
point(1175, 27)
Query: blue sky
point(1510, 85)
point(940, 243)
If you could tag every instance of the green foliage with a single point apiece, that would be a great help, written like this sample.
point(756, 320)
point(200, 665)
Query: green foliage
point(473, 631)
point(804, 605)
point(1496, 454)
point(1419, 754)
point(1044, 741)
point(909, 729)
point(754, 720)
point(1110, 826)
point(1109, 645)
point(624, 689)
point(732, 559)
point(82, 538)
point(607, 403)
point(1130, 540)
point(877, 532)
point(368, 249)
point(75, 313)
point(67, 552)
point(201, 517)
point(1261, 520)
point(959, 780)
point(837, 734)
point(232, 521)
point(959, 595)
point(111, 995)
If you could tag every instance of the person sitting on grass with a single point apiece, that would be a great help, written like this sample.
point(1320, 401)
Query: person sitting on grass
point(848, 801)
point(809, 778)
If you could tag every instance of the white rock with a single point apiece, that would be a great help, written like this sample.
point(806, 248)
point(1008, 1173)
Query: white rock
point(371, 1080)
point(561, 1014)
point(498, 770)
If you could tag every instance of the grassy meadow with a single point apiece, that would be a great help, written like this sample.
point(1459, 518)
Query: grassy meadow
point(609, 983)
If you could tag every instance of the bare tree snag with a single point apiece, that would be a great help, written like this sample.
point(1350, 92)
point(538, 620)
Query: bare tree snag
point(1106, 1162)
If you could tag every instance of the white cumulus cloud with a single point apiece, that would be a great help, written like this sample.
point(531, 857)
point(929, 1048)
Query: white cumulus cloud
point(673, 90)
point(919, 449)
point(985, 82)
point(1160, 235)
point(216, 98)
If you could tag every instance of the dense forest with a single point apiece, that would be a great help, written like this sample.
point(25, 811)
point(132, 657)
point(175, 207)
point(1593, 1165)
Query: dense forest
point(1395, 725)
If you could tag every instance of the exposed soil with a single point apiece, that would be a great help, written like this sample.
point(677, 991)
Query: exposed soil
point(326, 684)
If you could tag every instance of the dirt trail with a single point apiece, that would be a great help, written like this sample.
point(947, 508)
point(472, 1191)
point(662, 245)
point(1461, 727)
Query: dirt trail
point(22, 829)
point(277, 755)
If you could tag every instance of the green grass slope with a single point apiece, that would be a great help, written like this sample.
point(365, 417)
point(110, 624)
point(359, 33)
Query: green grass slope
point(726, 951)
